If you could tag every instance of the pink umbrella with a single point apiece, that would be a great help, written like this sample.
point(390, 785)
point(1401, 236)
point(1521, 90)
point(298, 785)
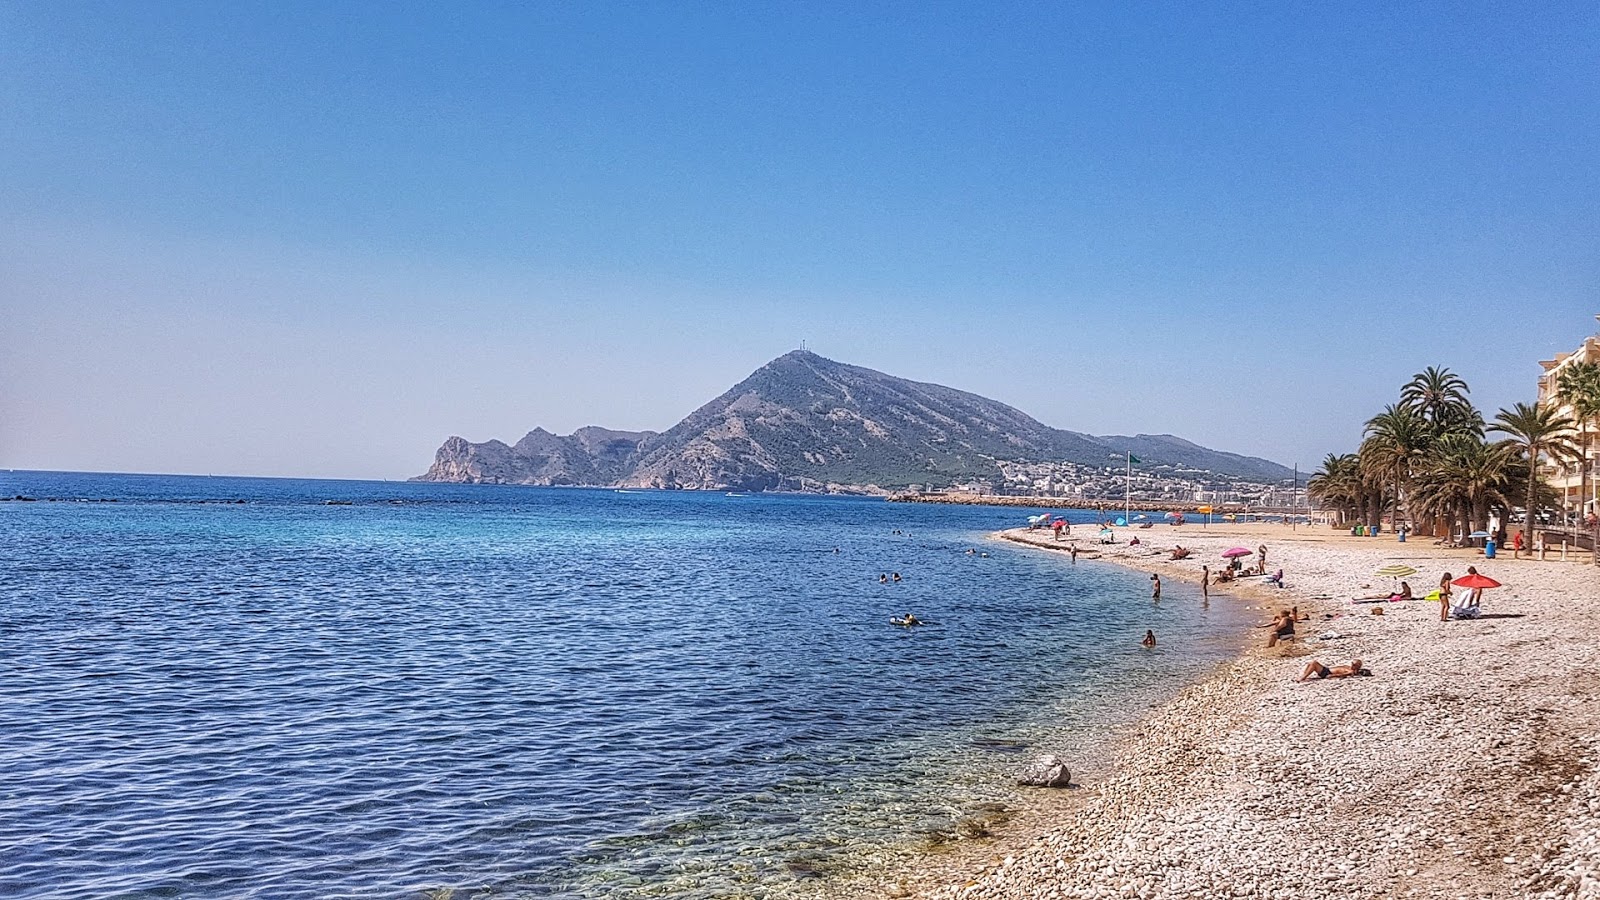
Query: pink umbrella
point(1237, 552)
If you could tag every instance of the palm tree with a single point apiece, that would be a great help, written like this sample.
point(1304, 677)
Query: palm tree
point(1532, 431)
point(1338, 484)
point(1437, 394)
point(1579, 386)
point(1465, 479)
point(1397, 440)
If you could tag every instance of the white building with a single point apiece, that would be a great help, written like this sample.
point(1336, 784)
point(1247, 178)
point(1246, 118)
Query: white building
point(1568, 481)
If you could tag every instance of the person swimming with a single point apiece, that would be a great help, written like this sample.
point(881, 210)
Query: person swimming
point(1149, 638)
point(882, 578)
point(895, 578)
point(908, 620)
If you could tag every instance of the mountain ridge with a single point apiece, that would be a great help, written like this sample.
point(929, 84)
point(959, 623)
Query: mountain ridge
point(806, 423)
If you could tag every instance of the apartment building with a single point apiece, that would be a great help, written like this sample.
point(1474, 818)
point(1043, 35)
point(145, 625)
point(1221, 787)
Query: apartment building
point(1568, 481)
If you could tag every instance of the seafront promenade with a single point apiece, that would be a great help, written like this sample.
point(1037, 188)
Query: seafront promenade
point(1464, 767)
point(1112, 507)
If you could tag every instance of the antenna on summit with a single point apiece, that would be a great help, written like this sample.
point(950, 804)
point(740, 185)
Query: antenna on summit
point(803, 343)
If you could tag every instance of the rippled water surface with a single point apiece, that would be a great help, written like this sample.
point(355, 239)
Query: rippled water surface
point(518, 692)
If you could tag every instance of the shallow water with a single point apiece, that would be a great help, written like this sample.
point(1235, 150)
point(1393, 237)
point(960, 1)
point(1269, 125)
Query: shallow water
point(529, 692)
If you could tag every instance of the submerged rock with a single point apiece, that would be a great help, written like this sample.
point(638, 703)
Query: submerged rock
point(1046, 771)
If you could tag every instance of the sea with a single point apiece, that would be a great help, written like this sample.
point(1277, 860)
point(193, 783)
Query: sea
point(240, 687)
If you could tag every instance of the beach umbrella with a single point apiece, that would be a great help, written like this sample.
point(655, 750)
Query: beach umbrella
point(1236, 552)
point(1170, 515)
point(1140, 516)
point(1479, 534)
point(1396, 570)
point(1475, 581)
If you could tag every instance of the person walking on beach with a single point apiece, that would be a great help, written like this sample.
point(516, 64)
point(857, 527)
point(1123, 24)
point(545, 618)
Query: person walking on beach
point(1155, 588)
point(1444, 596)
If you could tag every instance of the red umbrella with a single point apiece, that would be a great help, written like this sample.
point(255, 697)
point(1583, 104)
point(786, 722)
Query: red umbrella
point(1475, 581)
point(1237, 551)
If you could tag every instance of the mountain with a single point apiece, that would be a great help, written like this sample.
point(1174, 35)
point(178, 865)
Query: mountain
point(588, 456)
point(802, 422)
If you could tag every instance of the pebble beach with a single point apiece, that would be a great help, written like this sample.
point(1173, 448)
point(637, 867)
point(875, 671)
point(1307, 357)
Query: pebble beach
point(1464, 767)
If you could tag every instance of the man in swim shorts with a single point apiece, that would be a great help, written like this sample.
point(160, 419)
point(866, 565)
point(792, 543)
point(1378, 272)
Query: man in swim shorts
point(1319, 671)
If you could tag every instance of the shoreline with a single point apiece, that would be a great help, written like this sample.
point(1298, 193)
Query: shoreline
point(1466, 767)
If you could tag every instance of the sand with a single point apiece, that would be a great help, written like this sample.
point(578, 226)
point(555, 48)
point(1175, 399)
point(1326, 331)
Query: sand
point(1464, 767)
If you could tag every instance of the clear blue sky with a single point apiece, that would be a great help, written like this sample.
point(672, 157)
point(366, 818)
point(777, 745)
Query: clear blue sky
point(317, 239)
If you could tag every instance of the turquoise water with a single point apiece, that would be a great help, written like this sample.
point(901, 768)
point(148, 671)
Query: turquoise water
point(369, 689)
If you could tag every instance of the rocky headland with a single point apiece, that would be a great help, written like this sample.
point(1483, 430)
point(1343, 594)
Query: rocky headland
point(805, 423)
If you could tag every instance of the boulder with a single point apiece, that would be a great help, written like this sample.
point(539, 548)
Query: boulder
point(1046, 771)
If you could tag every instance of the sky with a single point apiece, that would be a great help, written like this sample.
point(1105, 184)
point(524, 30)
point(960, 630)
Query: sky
point(317, 239)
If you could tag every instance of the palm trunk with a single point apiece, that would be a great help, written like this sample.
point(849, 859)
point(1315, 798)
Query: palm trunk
point(1583, 472)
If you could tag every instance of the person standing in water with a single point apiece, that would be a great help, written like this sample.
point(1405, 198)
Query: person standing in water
point(1149, 638)
point(1074, 554)
point(1205, 582)
point(1155, 588)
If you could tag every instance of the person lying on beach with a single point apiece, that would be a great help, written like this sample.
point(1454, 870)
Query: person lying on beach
point(1403, 594)
point(1276, 579)
point(1181, 552)
point(1149, 638)
point(1317, 670)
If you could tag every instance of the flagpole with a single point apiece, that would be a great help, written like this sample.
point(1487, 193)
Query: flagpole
point(1127, 492)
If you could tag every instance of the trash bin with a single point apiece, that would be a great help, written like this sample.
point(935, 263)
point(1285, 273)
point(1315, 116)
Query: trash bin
point(1400, 535)
point(1488, 549)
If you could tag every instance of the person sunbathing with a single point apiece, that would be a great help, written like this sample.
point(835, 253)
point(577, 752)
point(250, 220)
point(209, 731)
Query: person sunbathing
point(1276, 579)
point(1181, 552)
point(1282, 626)
point(1403, 594)
point(1319, 671)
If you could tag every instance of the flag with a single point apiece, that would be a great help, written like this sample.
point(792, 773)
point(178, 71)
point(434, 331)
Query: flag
point(1133, 459)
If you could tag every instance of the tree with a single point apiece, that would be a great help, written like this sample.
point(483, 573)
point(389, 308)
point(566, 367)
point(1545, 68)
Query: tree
point(1438, 395)
point(1338, 484)
point(1464, 479)
point(1532, 431)
point(1579, 386)
point(1397, 439)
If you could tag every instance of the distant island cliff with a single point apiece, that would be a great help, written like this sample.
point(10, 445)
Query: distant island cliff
point(806, 423)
